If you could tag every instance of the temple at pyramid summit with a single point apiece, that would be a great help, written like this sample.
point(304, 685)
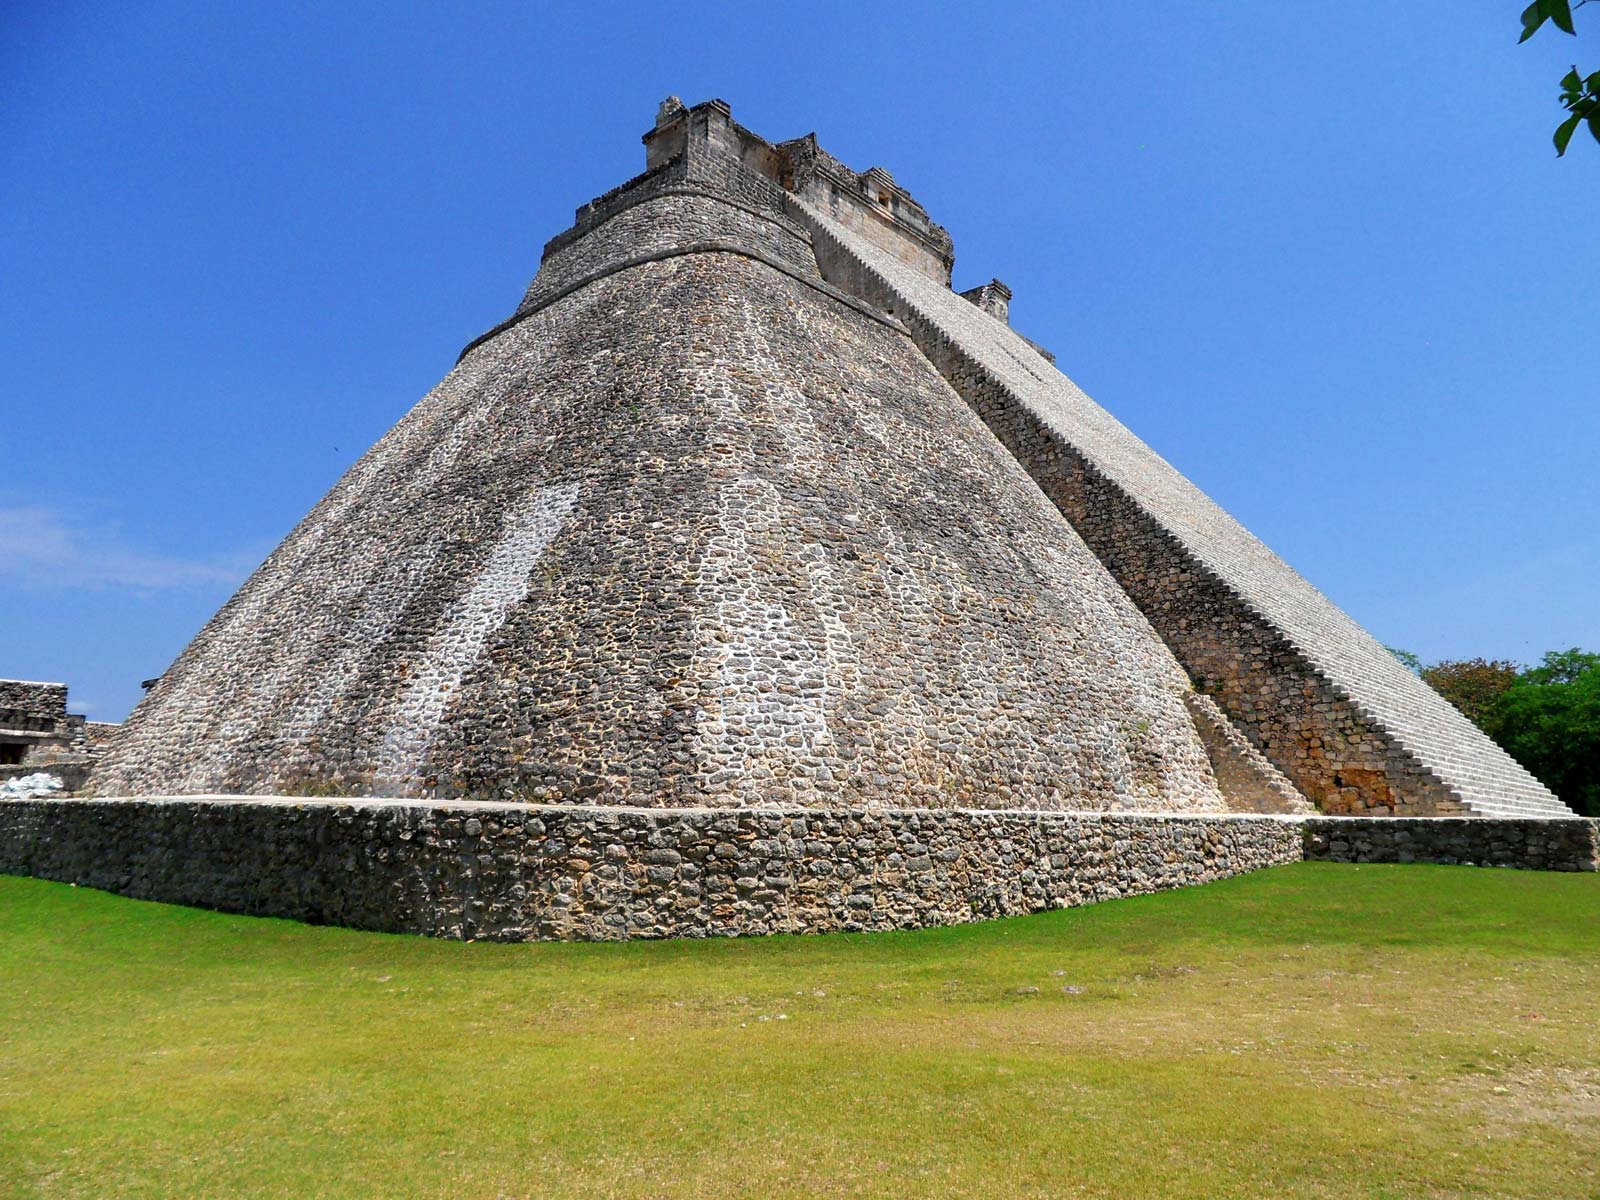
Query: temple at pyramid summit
point(749, 577)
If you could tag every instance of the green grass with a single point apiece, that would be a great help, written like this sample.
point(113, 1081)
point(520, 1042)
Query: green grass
point(1315, 1030)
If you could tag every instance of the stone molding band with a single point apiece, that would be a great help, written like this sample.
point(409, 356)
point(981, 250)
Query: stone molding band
point(596, 220)
point(513, 872)
point(705, 247)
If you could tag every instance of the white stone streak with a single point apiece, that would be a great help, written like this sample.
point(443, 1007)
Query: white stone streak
point(774, 683)
point(383, 603)
point(835, 661)
point(767, 670)
point(263, 612)
point(382, 594)
point(464, 631)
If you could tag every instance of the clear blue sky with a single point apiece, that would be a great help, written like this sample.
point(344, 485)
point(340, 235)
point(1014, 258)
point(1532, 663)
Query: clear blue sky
point(1320, 255)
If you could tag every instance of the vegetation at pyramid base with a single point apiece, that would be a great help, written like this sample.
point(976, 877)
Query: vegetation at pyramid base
point(1549, 720)
point(1278, 1034)
point(1474, 685)
point(1546, 717)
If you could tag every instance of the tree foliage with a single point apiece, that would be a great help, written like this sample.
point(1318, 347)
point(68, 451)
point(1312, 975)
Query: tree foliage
point(1473, 684)
point(1563, 666)
point(1407, 659)
point(1549, 721)
point(1546, 717)
point(1580, 95)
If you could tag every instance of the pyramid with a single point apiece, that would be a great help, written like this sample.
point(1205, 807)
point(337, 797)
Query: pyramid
point(745, 507)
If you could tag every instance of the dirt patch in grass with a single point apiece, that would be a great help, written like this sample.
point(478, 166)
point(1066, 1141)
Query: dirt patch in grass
point(1557, 1096)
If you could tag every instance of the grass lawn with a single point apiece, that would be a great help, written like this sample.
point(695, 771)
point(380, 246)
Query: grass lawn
point(1314, 1030)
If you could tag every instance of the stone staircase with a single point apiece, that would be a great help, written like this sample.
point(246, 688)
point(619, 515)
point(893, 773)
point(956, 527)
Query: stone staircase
point(962, 339)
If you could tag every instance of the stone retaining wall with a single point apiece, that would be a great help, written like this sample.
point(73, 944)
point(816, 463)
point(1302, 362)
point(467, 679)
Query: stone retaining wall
point(520, 872)
point(1530, 843)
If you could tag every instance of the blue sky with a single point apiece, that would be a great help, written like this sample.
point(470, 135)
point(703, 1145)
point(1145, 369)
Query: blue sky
point(1320, 255)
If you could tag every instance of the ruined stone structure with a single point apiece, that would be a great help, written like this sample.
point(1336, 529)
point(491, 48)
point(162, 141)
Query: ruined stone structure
point(37, 733)
point(745, 511)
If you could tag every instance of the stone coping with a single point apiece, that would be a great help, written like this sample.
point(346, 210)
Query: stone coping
point(689, 248)
point(884, 811)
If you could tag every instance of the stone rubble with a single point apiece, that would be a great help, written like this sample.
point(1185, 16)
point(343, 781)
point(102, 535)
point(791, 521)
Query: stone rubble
point(25, 787)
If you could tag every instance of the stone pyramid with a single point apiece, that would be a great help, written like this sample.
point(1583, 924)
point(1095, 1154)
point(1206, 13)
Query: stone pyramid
point(745, 507)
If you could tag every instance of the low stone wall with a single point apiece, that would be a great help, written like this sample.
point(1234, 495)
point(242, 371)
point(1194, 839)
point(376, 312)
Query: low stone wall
point(520, 872)
point(1531, 843)
point(512, 872)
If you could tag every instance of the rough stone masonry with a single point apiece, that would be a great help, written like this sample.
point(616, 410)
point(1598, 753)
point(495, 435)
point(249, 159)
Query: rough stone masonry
point(510, 872)
point(745, 511)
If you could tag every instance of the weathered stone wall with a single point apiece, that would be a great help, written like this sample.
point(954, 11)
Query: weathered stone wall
point(37, 733)
point(871, 205)
point(1249, 782)
point(993, 298)
point(661, 220)
point(510, 872)
point(39, 707)
point(1571, 844)
point(98, 735)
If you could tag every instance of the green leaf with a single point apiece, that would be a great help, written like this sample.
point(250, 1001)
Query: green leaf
point(1532, 17)
point(1570, 81)
point(1564, 134)
point(1561, 13)
point(1594, 125)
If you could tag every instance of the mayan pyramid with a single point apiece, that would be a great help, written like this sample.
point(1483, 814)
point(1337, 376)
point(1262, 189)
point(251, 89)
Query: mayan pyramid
point(745, 506)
